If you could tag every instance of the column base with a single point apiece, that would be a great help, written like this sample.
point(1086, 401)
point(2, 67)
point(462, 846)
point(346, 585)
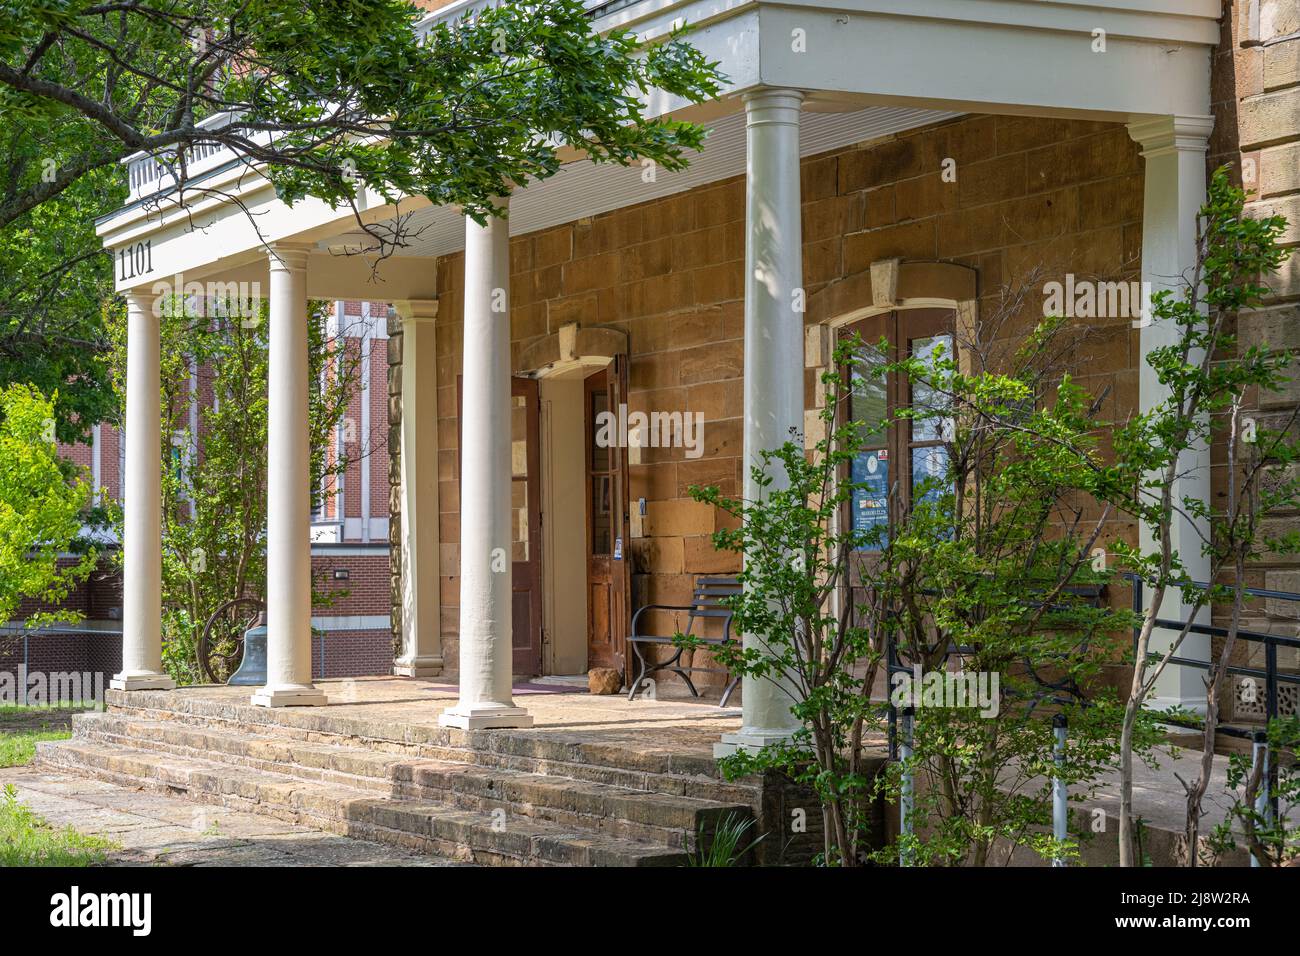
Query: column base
point(750, 740)
point(418, 667)
point(297, 696)
point(141, 681)
point(484, 717)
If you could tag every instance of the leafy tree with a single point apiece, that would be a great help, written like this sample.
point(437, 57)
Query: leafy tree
point(1260, 482)
point(322, 98)
point(992, 565)
point(54, 279)
point(1207, 381)
point(1273, 838)
point(42, 503)
point(989, 561)
point(326, 96)
point(795, 560)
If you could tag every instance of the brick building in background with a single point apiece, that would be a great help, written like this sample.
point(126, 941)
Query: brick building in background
point(353, 634)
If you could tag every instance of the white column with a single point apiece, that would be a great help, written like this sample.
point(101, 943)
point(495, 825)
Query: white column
point(288, 490)
point(485, 538)
point(773, 345)
point(421, 605)
point(142, 505)
point(367, 376)
point(1174, 152)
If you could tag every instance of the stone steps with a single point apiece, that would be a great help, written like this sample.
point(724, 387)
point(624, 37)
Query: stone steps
point(669, 819)
point(547, 751)
point(498, 837)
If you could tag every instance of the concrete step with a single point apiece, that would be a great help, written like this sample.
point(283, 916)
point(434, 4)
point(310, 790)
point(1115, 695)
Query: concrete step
point(496, 837)
point(668, 819)
point(549, 751)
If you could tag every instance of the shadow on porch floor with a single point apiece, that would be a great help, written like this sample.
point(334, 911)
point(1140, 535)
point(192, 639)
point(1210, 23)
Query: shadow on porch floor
point(405, 707)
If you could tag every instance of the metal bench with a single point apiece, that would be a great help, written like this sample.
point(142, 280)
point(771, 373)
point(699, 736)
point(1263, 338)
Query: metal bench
point(706, 602)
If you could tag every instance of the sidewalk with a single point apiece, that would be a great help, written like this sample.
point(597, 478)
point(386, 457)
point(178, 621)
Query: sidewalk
point(158, 830)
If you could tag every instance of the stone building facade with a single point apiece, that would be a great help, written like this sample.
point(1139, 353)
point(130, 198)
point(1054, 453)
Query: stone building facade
point(1256, 102)
point(1032, 198)
point(917, 162)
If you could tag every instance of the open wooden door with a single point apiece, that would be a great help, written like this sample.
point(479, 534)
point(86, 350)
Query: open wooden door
point(526, 520)
point(620, 573)
point(526, 527)
point(608, 581)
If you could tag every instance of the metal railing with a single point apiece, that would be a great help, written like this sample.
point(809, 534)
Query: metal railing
point(900, 737)
point(14, 631)
point(1268, 804)
point(1270, 675)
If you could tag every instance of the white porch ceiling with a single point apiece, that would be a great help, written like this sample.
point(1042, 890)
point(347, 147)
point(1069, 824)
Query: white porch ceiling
point(584, 189)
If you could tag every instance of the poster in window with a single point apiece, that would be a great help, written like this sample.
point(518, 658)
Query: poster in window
point(870, 500)
point(935, 354)
point(929, 473)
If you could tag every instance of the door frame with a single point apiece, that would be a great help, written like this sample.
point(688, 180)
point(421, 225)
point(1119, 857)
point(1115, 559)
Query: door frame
point(528, 658)
point(900, 327)
point(570, 354)
point(532, 657)
point(615, 389)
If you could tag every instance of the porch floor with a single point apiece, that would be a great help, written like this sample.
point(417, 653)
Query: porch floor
point(407, 709)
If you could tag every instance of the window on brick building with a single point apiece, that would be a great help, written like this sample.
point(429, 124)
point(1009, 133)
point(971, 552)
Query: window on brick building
point(904, 458)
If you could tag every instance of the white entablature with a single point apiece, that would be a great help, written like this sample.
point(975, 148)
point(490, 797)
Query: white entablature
point(891, 64)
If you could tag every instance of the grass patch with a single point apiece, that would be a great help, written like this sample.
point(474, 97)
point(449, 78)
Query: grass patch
point(23, 727)
point(26, 839)
point(17, 748)
point(61, 705)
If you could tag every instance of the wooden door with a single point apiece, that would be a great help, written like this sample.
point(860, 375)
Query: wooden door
point(620, 573)
point(899, 459)
point(607, 520)
point(526, 527)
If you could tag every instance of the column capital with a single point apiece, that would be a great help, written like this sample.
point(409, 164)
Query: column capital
point(142, 299)
point(416, 310)
point(771, 105)
point(1162, 134)
point(288, 256)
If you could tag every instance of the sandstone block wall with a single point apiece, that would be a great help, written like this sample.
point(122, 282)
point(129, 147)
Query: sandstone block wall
point(1256, 94)
point(1050, 196)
